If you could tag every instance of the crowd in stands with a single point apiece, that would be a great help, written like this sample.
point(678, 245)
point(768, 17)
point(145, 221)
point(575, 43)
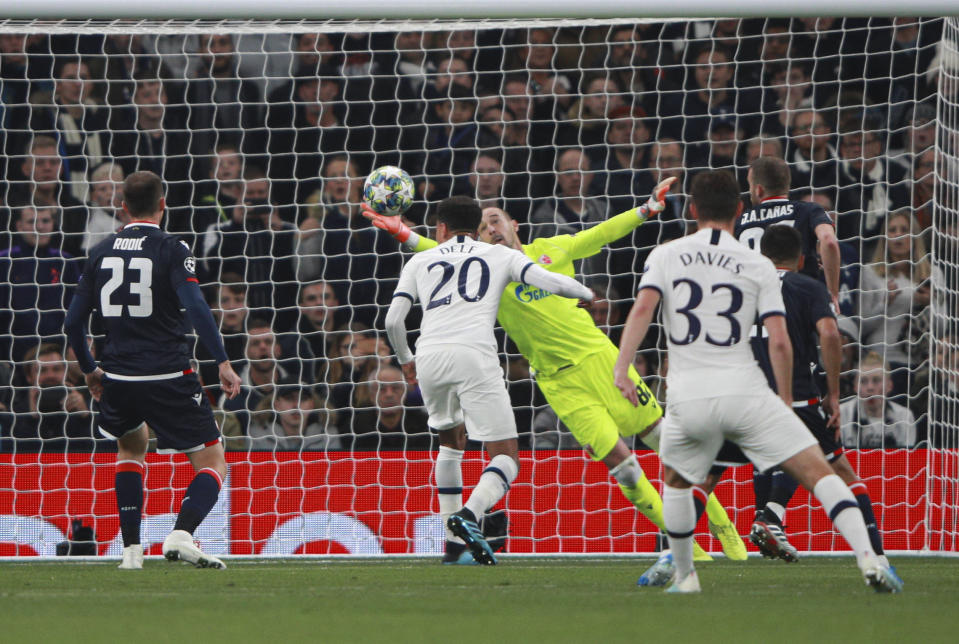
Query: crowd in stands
point(263, 142)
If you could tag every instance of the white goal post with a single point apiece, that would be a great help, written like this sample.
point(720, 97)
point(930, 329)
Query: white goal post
point(264, 119)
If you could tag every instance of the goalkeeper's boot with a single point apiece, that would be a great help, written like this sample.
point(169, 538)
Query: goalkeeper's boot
point(688, 584)
point(463, 525)
point(179, 546)
point(132, 557)
point(732, 543)
point(883, 579)
point(699, 554)
point(772, 542)
point(495, 527)
point(457, 554)
point(660, 572)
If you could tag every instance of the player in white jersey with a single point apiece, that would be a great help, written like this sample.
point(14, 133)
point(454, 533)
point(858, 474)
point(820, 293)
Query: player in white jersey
point(712, 288)
point(458, 284)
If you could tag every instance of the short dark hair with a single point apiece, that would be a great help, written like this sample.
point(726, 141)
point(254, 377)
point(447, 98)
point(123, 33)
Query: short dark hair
point(461, 214)
point(782, 244)
point(142, 192)
point(772, 173)
point(715, 194)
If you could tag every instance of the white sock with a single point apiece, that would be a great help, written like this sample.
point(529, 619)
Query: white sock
point(493, 484)
point(679, 516)
point(776, 509)
point(448, 475)
point(841, 506)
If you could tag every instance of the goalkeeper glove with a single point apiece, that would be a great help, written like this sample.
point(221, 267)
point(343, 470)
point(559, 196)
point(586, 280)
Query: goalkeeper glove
point(657, 201)
point(393, 225)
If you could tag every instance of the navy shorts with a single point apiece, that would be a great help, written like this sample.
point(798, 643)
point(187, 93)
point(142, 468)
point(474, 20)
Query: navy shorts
point(812, 416)
point(176, 410)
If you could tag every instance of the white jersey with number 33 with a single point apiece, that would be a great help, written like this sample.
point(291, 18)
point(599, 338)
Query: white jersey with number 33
point(459, 284)
point(713, 290)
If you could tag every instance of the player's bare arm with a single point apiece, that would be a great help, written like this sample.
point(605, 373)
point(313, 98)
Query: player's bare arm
point(229, 380)
point(637, 324)
point(780, 355)
point(829, 251)
point(94, 381)
point(830, 344)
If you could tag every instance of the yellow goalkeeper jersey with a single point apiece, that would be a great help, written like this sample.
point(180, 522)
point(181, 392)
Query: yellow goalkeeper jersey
point(551, 331)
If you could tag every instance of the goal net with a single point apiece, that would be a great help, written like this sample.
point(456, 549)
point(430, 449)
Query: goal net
point(263, 132)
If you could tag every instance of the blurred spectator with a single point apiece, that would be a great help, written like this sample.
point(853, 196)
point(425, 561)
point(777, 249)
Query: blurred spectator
point(870, 420)
point(318, 308)
point(450, 70)
point(762, 145)
point(261, 371)
point(381, 421)
point(259, 246)
point(313, 53)
point(896, 290)
point(215, 197)
point(550, 87)
point(918, 134)
point(924, 183)
point(811, 158)
point(357, 353)
point(586, 120)
point(222, 104)
point(636, 68)
point(790, 89)
point(76, 121)
point(302, 133)
point(622, 164)
point(152, 138)
point(549, 432)
point(125, 56)
point(292, 419)
point(871, 185)
point(450, 145)
point(36, 284)
point(48, 416)
point(41, 166)
point(723, 145)
point(944, 390)
point(106, 204)
point(486, 180)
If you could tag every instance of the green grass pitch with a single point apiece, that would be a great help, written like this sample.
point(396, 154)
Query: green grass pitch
point(520, 600)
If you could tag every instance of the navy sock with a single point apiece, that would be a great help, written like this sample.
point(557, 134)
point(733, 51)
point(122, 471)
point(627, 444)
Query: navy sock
point(865, 505)
point(783, 488)
point(762, 484)
point(128, 486)
point(199, 499)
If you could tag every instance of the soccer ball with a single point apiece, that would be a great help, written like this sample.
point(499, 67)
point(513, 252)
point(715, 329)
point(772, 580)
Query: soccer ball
point(388, 190)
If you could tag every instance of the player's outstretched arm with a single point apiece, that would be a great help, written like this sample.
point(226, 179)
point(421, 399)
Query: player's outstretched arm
point(398, 230)
point(591, 241)
point(75, 326)
point(396, 332)
point(637, 324)
point(780, 355)
point(557, 283)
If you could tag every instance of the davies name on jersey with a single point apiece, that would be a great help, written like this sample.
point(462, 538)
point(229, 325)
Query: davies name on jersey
point(719, 260)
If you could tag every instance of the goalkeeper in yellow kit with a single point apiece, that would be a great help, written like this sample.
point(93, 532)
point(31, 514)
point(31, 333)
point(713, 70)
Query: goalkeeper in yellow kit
point(573, 360)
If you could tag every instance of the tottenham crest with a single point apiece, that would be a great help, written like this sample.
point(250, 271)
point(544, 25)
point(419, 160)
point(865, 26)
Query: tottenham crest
point(190, 264)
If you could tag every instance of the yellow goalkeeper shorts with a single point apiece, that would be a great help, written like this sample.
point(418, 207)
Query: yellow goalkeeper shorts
point(589, 404)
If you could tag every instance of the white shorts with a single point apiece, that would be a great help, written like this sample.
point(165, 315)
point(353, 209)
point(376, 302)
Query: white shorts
point(763, 426)
point(463, 384)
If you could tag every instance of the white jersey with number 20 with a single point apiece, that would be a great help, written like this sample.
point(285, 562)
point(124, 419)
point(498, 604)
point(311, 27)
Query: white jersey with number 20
point(713, 290)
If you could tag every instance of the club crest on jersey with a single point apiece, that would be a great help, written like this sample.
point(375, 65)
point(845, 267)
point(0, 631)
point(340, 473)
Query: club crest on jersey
point(190, 264)
point(545, 259)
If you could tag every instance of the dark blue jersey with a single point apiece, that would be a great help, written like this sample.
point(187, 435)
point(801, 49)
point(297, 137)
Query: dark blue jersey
point(131, 279)
point(801, 215)
point(807, 302)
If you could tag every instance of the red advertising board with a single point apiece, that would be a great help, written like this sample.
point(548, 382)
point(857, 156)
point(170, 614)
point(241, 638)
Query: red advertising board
point(368, 503)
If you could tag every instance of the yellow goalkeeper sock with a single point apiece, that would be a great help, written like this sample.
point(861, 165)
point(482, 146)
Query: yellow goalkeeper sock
point(646, 499)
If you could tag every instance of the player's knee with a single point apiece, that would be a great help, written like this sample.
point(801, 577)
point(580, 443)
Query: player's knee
point(628, 473)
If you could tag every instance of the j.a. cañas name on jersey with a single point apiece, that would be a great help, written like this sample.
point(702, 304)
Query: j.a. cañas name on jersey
point(128, 243)
point(769, 212)
point(719, 260)
point(527, 294)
